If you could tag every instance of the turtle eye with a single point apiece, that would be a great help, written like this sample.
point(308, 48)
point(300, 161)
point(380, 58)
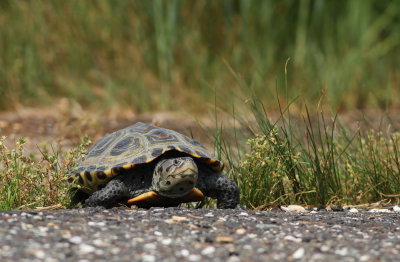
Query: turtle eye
point(176, 162)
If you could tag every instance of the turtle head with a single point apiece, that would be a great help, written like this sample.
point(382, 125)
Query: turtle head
point(175, 177)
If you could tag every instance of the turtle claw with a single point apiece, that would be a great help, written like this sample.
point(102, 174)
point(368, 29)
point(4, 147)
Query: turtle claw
point(154, 199)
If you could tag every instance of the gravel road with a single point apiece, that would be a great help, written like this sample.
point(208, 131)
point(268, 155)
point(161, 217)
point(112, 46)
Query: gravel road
point(175, 234)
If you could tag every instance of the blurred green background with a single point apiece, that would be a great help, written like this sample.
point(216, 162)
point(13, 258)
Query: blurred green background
point(175, 55)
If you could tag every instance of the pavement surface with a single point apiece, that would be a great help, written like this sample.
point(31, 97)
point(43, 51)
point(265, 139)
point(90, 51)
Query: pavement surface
point(177, 234)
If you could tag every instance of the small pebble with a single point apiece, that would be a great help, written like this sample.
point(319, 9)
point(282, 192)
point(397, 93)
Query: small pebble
point(223, 239)
point(365, 258)
point(166, 241)
point(40, 254)
point(185, 252)
point(137, 240)
point(86, 249)
point(293, 209)
point(265, 226)
point(342, 252)
point(115, 251)
point(383, 210)
point(208, 251)
point(194, 257)
point(75, 240)
point(100, 243)
point(324, 248)
point(148, 258)
point(241, 231)
point(178, 218)
point(299, 253)
point(98, 224)
point(292, 239)
point(150, 246)
point(233, 259)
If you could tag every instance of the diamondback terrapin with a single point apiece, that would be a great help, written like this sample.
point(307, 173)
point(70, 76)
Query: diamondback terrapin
point(145, 165)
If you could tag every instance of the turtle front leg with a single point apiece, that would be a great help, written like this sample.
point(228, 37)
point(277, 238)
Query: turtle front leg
point(219, 187)
point(114, 192)
point(77, 196)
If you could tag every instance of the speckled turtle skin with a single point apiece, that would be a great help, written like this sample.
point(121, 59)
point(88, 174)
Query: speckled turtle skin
point(120, 166)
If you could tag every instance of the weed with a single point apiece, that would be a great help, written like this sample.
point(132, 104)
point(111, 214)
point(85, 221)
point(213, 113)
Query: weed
point(373, 166)
point(269, 163)
point(26, 182)
point(315, 163)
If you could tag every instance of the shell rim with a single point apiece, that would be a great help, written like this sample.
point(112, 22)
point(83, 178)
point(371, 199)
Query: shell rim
point(117, 169)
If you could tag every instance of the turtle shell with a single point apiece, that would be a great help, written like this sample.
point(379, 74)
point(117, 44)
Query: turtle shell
point(138, 144)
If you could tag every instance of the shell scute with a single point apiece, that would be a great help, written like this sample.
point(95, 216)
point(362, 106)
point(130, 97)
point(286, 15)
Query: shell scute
point(156, 152)
point(122, 146)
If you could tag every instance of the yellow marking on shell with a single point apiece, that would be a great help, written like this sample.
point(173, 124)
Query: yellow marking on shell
point(191, 154)
point(218, 168)
point(90, 186)
point(108, 172)
point(126, 167)
point(85, 185)
point(84, 179)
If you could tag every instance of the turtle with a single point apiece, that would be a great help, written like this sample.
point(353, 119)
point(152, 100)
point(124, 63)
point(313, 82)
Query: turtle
point(146, 165)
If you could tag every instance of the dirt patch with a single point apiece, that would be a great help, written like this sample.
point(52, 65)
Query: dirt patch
point(65, 129)
point(64, 126)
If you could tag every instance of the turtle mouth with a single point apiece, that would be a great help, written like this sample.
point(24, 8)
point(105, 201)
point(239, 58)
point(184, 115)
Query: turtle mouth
point(153, 198)
point(187, 171)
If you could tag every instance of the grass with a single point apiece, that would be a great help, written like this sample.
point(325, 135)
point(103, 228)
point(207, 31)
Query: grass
point(311, 162)
point(168, 55)
point(28, 183)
